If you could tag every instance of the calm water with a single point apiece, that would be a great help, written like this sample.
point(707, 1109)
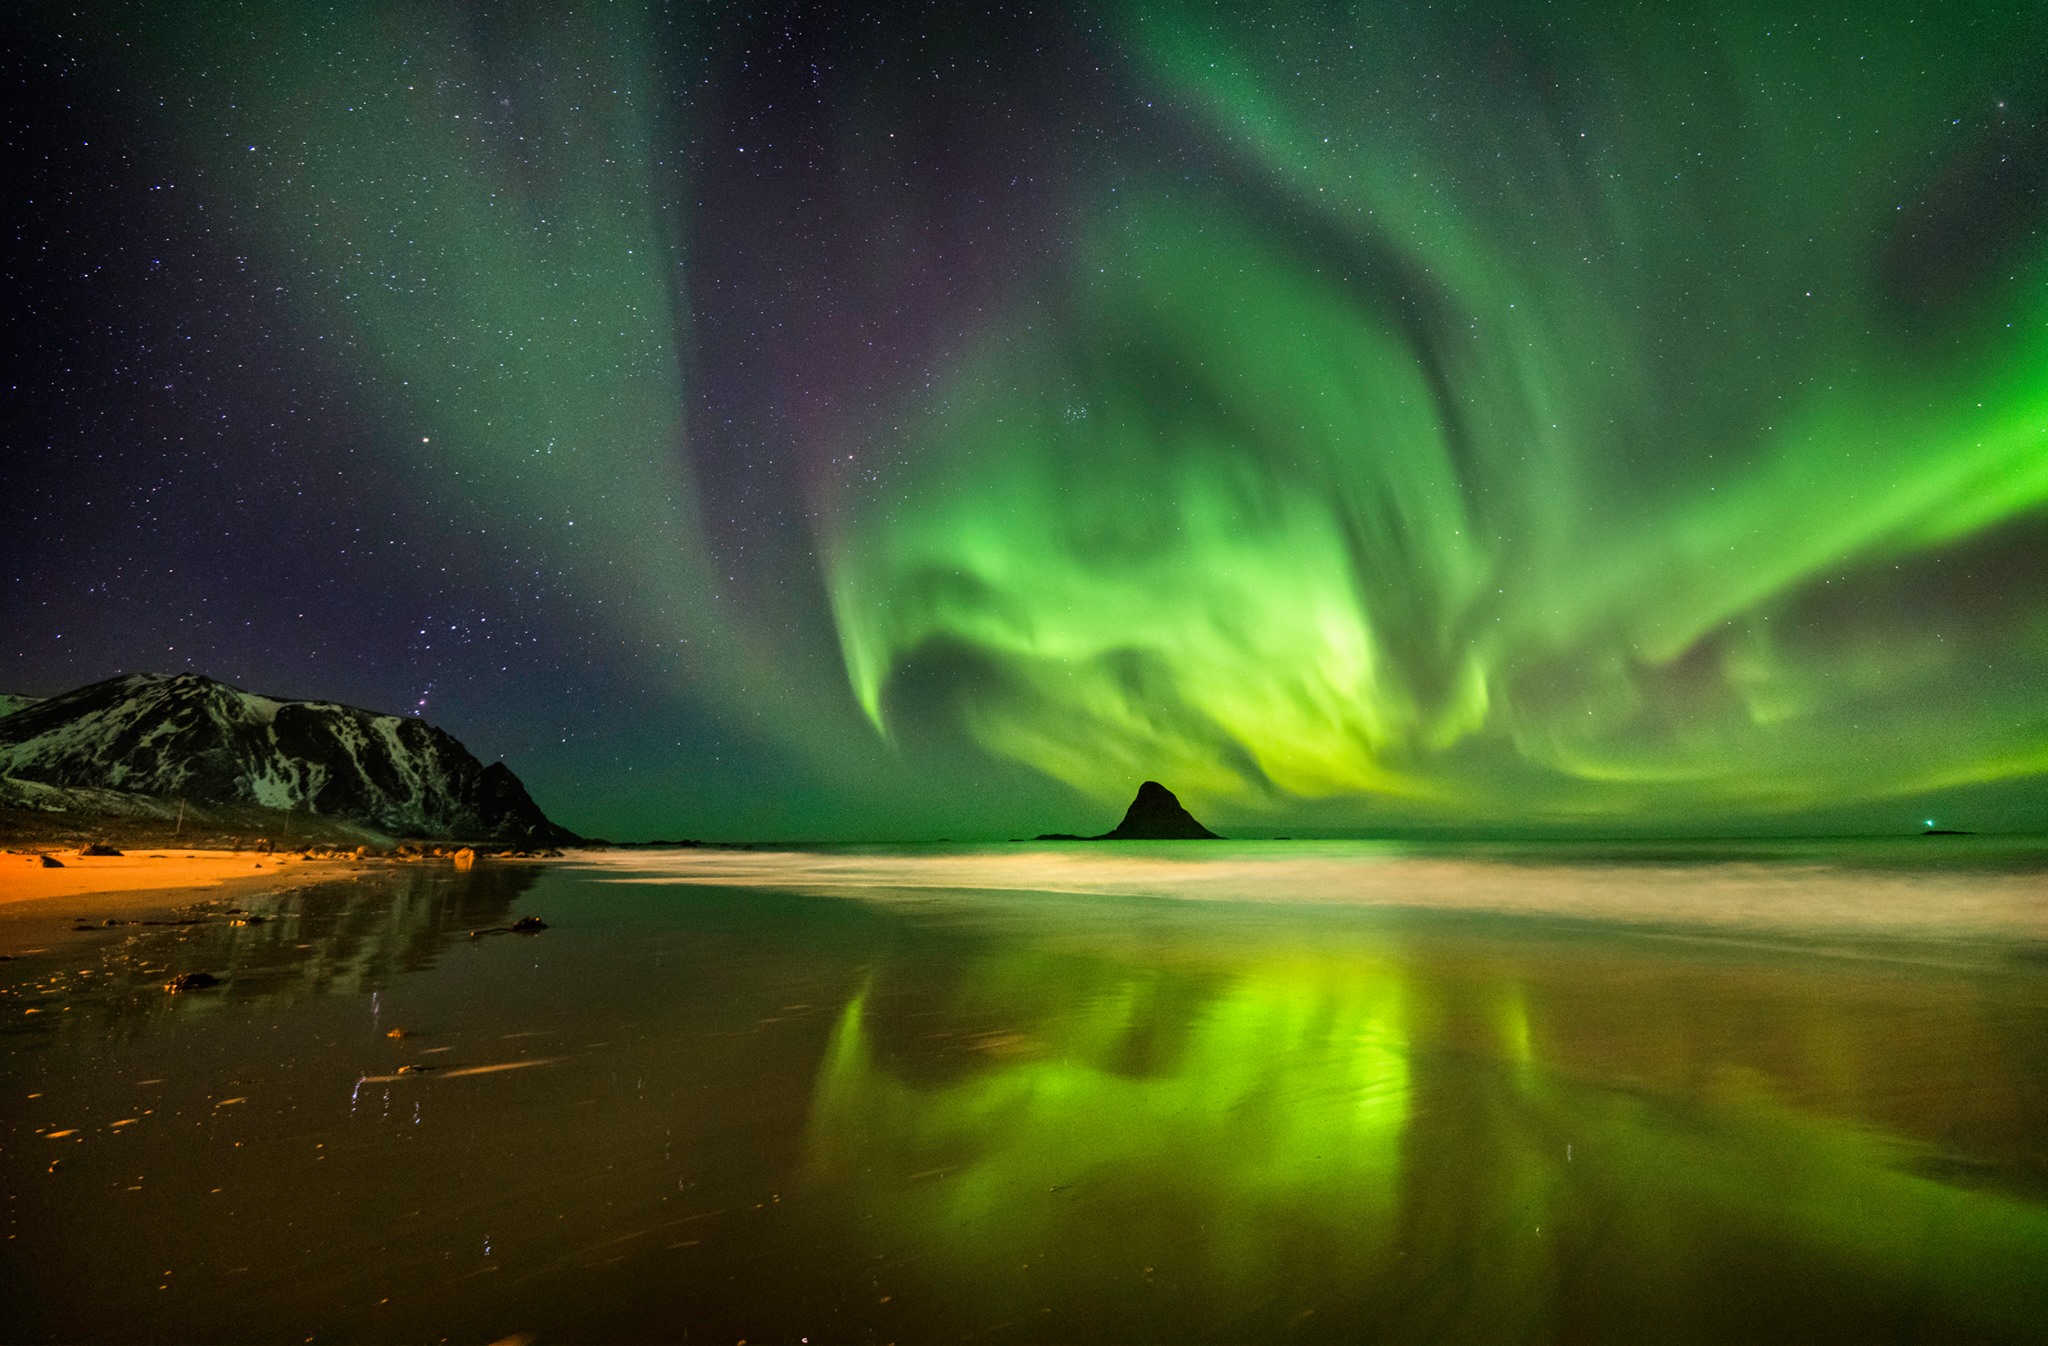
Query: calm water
point(1157, 1092)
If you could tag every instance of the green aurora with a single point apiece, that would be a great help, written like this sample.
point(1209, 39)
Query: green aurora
point(1488, 415)
point(1573, 454)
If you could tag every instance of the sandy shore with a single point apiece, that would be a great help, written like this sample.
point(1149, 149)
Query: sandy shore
point(24, 878)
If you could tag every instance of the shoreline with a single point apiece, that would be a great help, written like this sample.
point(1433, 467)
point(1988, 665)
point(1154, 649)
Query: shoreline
point(24, 880)
point(162, 871)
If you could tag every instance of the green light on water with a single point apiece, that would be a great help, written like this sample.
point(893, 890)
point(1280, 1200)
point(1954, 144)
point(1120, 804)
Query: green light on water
point(1219, 1115)
point(1408, 1142)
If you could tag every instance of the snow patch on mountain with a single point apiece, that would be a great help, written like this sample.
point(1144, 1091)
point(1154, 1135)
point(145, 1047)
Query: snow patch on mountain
point(187, 736)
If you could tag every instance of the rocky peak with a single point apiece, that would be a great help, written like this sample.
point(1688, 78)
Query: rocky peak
point(1156, 815)
point(189, 736)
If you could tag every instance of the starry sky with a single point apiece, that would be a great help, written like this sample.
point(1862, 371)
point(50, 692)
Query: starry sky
point(812, 422)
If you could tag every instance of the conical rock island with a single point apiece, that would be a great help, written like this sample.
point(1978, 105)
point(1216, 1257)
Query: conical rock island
point(1155, 815)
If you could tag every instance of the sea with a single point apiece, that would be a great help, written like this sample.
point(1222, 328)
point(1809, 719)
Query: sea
point(1121, 1091)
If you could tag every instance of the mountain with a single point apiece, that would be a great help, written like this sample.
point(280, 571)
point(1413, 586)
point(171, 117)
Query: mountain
point(166, 737)
point(1155, 815)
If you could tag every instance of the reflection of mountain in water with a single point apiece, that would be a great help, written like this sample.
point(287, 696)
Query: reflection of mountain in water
point(340, 938)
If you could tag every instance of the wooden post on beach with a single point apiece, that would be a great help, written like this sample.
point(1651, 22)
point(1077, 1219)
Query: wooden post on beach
point(181, 820)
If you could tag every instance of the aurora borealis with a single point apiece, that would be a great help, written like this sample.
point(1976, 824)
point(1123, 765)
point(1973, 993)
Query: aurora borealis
point(811, 422)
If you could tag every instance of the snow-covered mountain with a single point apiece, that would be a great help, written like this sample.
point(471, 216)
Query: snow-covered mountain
point(186, 736)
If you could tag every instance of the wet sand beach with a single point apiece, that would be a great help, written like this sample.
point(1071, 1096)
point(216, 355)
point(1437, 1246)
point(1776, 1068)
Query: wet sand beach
point(144, 876)
point(24, 877)
point(1339, 1094)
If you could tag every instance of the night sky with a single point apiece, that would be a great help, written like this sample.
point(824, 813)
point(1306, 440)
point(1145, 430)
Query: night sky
point(807, 422)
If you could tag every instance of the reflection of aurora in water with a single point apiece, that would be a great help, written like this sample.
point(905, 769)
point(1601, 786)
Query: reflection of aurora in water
point(1504, 413)
point(1269, 1117)
point(920, 1113)
point(1420, 1143)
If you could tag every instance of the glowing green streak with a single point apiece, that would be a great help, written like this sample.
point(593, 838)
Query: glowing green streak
point(1214, 524)
point(1480, 445)
point(496, 234)
point(1171, 542)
